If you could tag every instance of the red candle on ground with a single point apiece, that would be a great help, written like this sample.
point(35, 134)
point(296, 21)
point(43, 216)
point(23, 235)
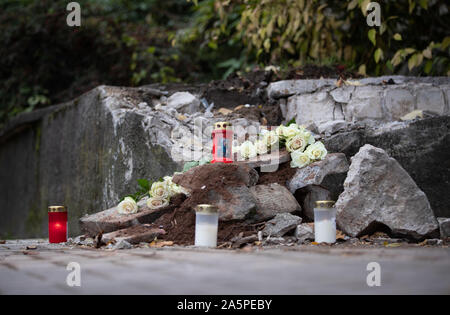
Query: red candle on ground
point(222, 143)
point(57, 224)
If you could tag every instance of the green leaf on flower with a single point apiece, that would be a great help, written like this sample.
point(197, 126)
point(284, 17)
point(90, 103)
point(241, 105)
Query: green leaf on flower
point(292, 121)
point(144, 184)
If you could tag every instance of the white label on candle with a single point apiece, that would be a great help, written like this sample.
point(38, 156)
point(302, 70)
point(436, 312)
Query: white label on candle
point(325, 231)
point(206, 235)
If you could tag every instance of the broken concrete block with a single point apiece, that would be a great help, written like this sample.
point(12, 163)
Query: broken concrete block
point(273, 199)
point(135, 234)
point(110, 220)
point(304, 232)
point(444, 225)
point(282, 224)
point(268, 162)
point(378, 191)
point(313, 174)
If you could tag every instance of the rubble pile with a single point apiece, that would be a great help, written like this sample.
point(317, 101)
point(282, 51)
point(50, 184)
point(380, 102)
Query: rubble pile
point(379, 205)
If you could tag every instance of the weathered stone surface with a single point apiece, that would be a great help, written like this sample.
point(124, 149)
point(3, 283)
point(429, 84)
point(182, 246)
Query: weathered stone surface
point(282, 224)
point(379, 191)
point(227, 173)
point(332, 126)
point(309, 195)
point(304, 232)
point(421, 148)
point(343, 94)
point(134, 235)
point(312, 108)
point(365, 104)
point(432, 99)
point(273, 199)
point(239, 205)
point(444, 226)
point(399, 101)
point(268, 162)
point(122, 244)
point(314, 173)
point(287, 88)
point(184, 102)
point(110, 220)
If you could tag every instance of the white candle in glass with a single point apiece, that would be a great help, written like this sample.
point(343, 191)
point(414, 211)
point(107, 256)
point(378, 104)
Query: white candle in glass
point(206, 226)
point(325, 222)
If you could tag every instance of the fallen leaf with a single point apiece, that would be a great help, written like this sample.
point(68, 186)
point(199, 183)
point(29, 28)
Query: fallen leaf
point(31, 247)
point(28, 253)
point(2, 242)
point(181, 117)
point(423, 243)
point(160, 244)
point(340, 235)
point(352, 83)
point(225, 111)
point(339, 82)
point(314, 243)
point(239, 107)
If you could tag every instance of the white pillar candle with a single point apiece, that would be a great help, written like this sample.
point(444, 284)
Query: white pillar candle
point(325, 222)
point(206, 226)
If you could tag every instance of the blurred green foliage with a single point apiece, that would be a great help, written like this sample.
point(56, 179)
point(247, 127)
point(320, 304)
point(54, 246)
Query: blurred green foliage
point(136, 42)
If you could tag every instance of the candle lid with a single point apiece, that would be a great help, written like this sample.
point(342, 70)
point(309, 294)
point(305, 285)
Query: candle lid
point(208, 209)
point(222, 125)
point(57, 209)
point(325, 203)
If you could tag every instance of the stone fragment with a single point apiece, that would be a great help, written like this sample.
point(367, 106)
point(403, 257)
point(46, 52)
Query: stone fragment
point(444, 226)
point(311, 194)
point(365, 104)
point(314, 173)
point(135, 234)
point(268, 162)
point(122, 244)
point(184, 102)
point(237, 204)
point(304, 232)
point(282, 224)
point(380, 193)
point(273, 199)
point(331, 127)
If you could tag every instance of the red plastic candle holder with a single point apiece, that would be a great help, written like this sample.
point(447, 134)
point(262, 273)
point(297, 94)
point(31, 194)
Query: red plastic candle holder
point(222, 143)
point(57, 224)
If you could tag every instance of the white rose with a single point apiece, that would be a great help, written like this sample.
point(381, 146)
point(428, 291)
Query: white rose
point(156, 203)
point(270, 138)
point(159, 190)
point(261, 147)
point(299, 159)
point(316, 151)
point(127, 206)
point(297, 142)
point(248, 150)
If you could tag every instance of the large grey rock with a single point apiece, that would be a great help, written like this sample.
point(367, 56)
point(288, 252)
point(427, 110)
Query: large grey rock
point(378, 191)
point(273, 199)
point(366, 103)
point(184, 102)
point(421, 148)
point(238, 204)
point(314, 174)
point(444, 226)
point(332, 126)
point(282, 224)
point(312, 108)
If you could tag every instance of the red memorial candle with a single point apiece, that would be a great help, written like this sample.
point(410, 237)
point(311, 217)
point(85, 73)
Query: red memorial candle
point(222, 143)
point(57, 224)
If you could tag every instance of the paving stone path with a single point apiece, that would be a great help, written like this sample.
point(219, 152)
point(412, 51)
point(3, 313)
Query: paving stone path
point(176, 270)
